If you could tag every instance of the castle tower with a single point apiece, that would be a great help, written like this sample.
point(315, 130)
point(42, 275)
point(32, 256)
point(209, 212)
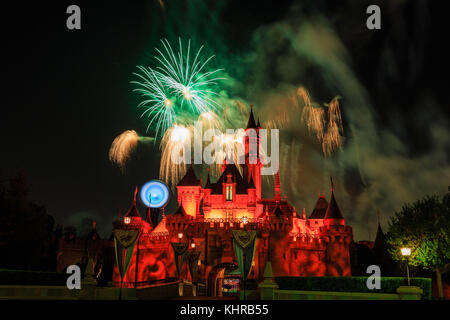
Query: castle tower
point(189, 193)
point(280, 224)
point(333, 215)
point(338, 237)
point(133, 215)
point(253, 164)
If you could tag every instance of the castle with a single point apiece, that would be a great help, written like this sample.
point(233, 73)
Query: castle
point(295, 245)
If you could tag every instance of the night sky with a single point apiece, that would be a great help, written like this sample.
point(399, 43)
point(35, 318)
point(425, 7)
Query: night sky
point(68, 95)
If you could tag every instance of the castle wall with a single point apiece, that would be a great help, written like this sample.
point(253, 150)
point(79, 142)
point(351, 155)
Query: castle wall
point(155, 262)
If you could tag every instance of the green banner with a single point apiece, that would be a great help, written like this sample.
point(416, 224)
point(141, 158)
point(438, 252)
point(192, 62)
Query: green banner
point(124, 240)
point(179, 250)
point(244, 243)
point(193, 264)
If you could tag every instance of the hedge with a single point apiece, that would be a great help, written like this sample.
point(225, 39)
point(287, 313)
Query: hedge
point(351, 284)
point(37, 278)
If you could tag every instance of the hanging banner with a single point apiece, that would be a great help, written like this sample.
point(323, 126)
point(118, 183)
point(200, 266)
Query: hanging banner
point(124, 240)
point(192, 258)
point(244, 243)
point(179, 249)
point(125, 237)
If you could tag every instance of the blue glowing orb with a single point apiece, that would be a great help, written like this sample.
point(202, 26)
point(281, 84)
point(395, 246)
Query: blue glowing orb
point(155, 194)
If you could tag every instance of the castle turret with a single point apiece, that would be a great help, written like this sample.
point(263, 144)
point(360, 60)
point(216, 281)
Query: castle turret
point(178, 222)
point(189, 192)
point(338, 237)
point(333, 215)
point(133, 216)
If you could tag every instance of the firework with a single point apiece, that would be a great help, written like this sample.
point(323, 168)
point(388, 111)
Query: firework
point(187, 78)
point(334, 113)
point(175, 142)
point(122, 148)
point(179, 78)
point(159, 107)
point(312, 116)
point(332, 139)
point(209, 120)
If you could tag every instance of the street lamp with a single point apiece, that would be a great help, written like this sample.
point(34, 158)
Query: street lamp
point(406, 252)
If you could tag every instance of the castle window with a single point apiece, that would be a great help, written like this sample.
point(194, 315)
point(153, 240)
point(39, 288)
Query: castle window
point(229, 196)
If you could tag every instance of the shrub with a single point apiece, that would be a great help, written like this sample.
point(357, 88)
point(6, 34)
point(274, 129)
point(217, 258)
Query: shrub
point(37, 278)
point(351, 284)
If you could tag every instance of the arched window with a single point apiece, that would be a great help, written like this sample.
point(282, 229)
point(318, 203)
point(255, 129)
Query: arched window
point(229, 196)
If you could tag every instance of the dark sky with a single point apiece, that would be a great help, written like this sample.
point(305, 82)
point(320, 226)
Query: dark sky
point(68, 93)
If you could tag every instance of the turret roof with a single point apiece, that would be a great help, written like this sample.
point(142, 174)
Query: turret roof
point(189, 179)
point(133, 211)
point(251, 124)
point(320, 209)
point(180, 211)
point(333, 211)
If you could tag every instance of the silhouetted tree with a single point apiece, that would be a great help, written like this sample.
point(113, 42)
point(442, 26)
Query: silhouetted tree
point(423, 226)
point(26, 229)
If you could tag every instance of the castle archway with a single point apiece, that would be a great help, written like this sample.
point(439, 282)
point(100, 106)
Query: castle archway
point(216, 277)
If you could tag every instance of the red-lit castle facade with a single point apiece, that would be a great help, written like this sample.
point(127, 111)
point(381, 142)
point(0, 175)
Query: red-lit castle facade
point(295, 245)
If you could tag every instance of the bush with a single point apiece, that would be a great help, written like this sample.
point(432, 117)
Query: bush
point(36, 278)
point(351, 284)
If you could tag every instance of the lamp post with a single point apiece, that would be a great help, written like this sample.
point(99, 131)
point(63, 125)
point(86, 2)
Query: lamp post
point(406, 252)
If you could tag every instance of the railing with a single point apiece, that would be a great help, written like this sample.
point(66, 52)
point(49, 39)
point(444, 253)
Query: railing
point(230, 220)
point(303, 235)
point(155, 234)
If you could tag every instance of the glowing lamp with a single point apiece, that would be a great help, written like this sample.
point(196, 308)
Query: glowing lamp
point(155, 194)
point(127, 220)
point(244, 220)
point(406, 251)
point(180, 236)
point(193, 245)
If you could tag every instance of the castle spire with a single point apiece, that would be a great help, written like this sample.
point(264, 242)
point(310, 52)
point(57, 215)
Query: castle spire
point(333, 213)
point(135, 193)
point(208, 180)
point(251, 124)
point(133, 211)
